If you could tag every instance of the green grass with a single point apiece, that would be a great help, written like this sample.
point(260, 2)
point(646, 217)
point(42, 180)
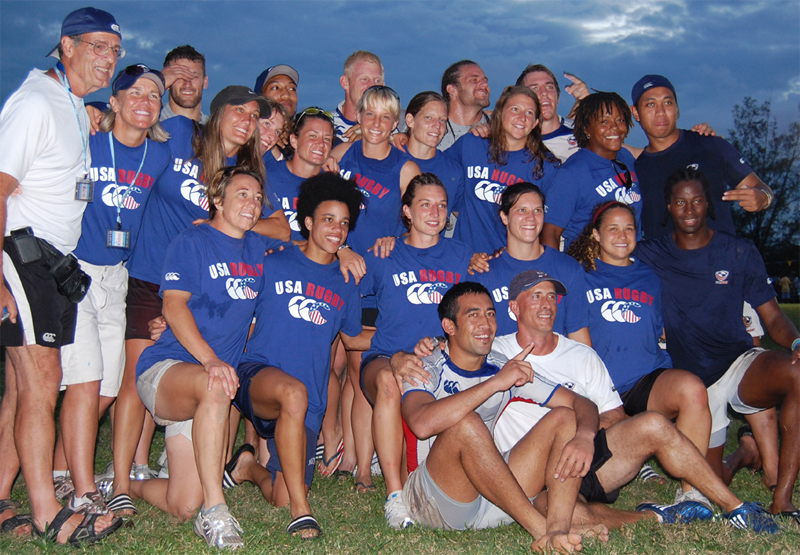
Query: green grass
point(354, 524)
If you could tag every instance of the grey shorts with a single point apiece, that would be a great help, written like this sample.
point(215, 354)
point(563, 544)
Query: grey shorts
point(431, 507)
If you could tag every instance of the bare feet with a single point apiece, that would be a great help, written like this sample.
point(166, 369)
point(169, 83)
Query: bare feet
point(557, 543)
point(599, 531)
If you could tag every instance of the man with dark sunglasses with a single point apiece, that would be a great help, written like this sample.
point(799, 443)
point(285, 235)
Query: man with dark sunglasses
point(44, 187)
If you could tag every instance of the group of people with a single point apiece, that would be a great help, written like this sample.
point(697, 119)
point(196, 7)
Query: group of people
point(505, 312)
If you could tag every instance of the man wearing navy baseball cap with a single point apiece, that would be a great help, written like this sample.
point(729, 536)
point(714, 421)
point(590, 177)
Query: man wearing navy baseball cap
point(655, 107)
point(44, 137)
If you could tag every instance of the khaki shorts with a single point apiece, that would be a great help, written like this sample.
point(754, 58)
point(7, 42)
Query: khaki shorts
point(725, 391)
point(147, 386)
point(98, 352)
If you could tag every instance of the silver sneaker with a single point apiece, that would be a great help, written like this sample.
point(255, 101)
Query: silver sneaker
point(219, 528)
point(692, 495)
point(141, 472)
point(63, 487)
point(397, 515)
point(105, 480)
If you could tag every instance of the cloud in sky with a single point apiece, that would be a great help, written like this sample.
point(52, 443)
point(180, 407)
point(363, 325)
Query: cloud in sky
point(714, 51)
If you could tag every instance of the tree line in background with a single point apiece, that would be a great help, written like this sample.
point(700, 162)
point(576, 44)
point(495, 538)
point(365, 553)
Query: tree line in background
point(775, 158)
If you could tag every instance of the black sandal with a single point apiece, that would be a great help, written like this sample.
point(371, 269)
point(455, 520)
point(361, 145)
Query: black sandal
point(227, 475)
point(83, 535)
point(13, 522)
point(305, 522)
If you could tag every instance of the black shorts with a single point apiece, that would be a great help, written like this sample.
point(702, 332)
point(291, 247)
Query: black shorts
point(47, 317)
point(143, 304)
point(635, 399)
point(369, 316)
point(591, 488)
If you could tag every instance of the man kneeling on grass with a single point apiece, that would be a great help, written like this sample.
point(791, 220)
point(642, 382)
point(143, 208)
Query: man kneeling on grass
point(462, 481)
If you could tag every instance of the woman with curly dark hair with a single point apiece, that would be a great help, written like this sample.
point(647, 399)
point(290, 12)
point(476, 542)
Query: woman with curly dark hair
point(512, 153)
point(626, 322)
point(602, 170)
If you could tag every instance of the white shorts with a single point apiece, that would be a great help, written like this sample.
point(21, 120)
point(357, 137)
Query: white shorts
point(98, 352)
point(725, 391)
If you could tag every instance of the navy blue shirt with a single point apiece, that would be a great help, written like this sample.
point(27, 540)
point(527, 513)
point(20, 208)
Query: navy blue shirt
point(722, 165)
point(703, 295)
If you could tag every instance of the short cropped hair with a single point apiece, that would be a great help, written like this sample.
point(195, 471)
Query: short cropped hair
point(534, 68)
point(451, 76)
point(360, 56)
point(185, 52)
point(448, 308)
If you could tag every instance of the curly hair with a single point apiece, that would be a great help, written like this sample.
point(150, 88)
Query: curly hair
point(585, 248)
point(322, 188)
point(534, 145)
point(594, 107)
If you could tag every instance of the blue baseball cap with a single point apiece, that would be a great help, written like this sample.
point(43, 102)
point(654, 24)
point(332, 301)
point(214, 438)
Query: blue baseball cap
point(280, 69)
point(126, 78)
point(650, 82)
point(527, 279)
point(87, 20)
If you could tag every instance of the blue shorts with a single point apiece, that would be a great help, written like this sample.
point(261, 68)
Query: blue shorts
point(274, 463)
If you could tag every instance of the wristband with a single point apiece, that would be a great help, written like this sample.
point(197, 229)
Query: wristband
point(795, 343)
point(345, 246)
point(770, 197)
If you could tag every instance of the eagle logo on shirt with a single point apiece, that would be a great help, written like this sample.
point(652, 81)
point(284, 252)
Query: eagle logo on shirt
point(620, 311)
point(309, 310)
point(426, 293)
point(722, 277)
point(114, 195)
point(238, 288)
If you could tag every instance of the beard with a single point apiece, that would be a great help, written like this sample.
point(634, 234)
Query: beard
point(184, 102)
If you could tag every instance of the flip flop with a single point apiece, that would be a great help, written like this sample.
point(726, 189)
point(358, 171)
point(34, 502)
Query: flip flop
point(305, 522)
point(330, 466)
point(793, 515)
point(361, 487)
point(227, 475)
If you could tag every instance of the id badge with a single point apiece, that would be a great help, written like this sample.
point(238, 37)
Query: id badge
point(118, 239)
point(84, 189)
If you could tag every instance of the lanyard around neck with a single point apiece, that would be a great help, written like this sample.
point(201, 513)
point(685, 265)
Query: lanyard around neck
point(62, 77)
point(132, 183)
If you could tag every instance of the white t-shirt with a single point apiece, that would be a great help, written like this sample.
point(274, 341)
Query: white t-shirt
point(42, 148)
point(448, 379)
point(573, 365)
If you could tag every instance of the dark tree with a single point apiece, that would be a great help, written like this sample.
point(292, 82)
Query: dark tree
point(775, 158)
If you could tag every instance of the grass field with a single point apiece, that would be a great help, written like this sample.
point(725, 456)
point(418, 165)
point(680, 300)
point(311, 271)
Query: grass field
point(353, 523)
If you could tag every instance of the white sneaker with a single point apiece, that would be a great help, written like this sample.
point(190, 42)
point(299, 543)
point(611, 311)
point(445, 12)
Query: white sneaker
point(397, 515)
point(219, 528)
point(375, 466)
point(692, 495)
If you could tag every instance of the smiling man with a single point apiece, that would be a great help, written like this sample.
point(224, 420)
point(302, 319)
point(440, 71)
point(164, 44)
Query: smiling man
point(185, 68)
point(44, 137)
point(466, 89)
point(362, 70)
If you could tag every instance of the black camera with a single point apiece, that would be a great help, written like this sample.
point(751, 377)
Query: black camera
point(26, 244)
point(71, 281)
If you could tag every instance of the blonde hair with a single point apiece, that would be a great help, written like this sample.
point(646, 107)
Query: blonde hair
point(360, 56)
point(382, 96)
point(154, 133)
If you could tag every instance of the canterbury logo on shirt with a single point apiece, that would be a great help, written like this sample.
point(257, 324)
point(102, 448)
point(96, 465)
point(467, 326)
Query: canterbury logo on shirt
point(191, 189)
point(309, 310)
point(114, 195)
point(620, 311)
point(491, 189)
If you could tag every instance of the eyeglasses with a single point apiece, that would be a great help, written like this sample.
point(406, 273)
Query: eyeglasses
point(628, 180)
point(101, 49)
point(313, 111)
point(140, 69)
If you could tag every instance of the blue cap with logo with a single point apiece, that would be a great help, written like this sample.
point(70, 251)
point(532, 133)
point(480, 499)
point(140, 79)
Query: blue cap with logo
point(87, 20)
point(650, 82)
point(126, 78)
point(527, 279)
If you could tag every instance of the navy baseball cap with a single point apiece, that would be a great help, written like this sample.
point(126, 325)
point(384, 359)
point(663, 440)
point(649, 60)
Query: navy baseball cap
point(650, 82)
point(87, 20)
point(236, 95)
point(527, 279)
point(280, 69)
point(128, 76)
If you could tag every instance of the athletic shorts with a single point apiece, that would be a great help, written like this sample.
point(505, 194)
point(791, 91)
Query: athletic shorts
point(274, 463)
point(635, 399)
point(369, 316)
point(429, 506)
point(98, 352)
point(364, 363)
point(44, 316)
point(143, 304)
point(591, 488)
point(751, 321)
point(725, 391)
point(147, 386)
